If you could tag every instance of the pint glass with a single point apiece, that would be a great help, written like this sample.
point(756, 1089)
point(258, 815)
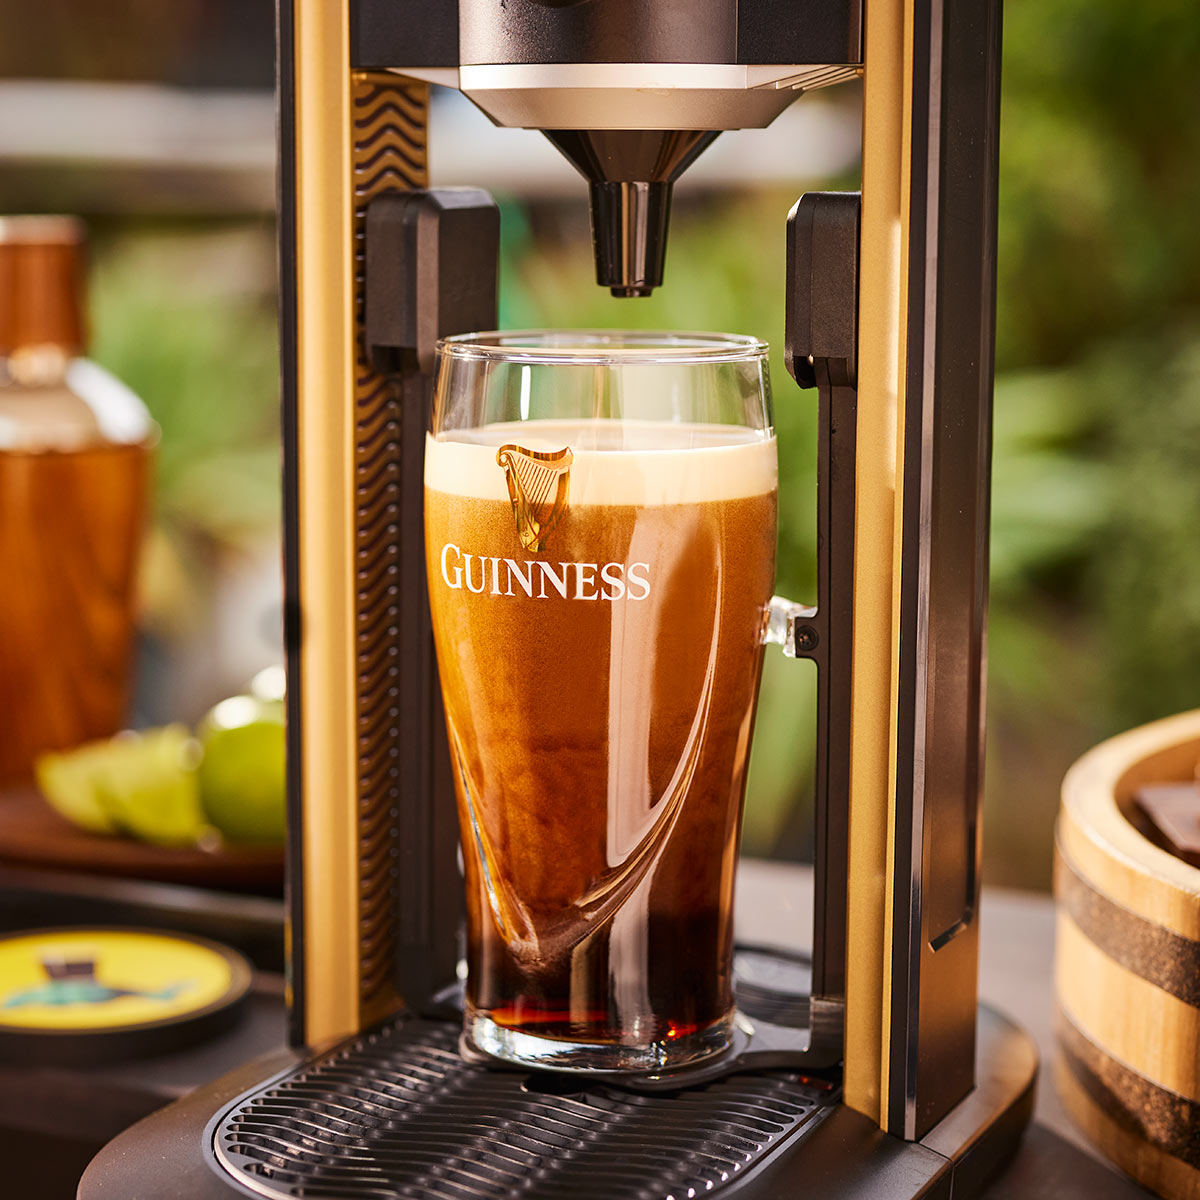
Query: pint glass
point(600, 513)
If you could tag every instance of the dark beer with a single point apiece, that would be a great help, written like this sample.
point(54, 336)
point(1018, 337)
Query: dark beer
point(600, 689)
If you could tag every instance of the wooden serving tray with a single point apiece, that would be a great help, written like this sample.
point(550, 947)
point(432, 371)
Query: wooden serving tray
point(32, 834)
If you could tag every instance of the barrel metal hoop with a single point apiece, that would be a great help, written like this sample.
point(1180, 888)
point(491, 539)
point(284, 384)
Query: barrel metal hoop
point(1142, 1108)
point(1159, 955)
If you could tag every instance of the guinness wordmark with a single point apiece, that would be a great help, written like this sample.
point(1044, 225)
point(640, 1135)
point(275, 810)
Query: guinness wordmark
point(568, 580)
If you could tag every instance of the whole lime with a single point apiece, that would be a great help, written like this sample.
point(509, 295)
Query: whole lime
point(242, 773)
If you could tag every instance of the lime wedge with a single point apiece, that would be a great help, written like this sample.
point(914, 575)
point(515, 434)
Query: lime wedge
point(143, 784)
point(149, 787)
point(242, 773)
point(69, 781)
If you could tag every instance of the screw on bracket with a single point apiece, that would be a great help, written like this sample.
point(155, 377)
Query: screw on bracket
point(805, 639)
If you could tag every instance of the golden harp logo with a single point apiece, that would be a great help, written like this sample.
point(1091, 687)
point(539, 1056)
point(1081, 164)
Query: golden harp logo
point(537, 486)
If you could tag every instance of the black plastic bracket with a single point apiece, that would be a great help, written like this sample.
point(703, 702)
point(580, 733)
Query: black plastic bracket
point(821, 348)
point(431, 263)
point(822, 296)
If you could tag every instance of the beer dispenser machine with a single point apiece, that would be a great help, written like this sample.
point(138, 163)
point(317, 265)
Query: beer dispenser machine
point(884, 1080)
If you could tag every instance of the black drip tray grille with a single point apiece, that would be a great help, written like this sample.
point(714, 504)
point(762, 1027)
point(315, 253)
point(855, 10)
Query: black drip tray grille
point(397, 1113)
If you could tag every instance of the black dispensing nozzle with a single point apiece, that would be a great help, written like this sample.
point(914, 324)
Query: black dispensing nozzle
point(629, 235)
point(631, 172)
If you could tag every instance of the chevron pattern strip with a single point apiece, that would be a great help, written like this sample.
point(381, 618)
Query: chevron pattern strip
point(388, 132)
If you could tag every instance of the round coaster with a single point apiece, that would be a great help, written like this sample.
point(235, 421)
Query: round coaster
point(86, 995)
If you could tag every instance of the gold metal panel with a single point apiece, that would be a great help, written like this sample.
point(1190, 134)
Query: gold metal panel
point(324, 339)
point(356, 135)
point(883, 316)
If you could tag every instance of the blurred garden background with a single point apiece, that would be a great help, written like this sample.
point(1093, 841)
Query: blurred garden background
point(154, 121)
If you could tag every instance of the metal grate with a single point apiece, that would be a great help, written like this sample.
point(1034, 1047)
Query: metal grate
point(397, 1113)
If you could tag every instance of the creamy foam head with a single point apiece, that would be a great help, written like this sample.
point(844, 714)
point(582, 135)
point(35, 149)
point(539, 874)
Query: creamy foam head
point(615, 462)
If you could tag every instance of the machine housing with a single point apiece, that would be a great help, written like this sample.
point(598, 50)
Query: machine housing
point(897, 1084)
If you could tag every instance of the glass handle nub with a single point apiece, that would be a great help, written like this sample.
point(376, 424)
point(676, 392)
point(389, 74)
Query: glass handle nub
point(789, 625)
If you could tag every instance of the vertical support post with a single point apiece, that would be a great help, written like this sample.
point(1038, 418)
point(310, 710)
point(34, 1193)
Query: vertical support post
point(944, 569)
point(346, 136)
point(821, 351)
point(882, 309)
point(316, 231)
point(923, 461)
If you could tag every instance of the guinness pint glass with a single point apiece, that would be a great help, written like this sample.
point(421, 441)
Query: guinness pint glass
point(600, 513)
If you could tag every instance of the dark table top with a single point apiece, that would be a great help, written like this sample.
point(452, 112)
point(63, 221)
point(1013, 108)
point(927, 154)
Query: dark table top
point(774, 906)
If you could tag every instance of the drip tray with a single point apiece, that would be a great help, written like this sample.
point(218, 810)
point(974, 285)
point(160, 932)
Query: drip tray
point(397, 1113)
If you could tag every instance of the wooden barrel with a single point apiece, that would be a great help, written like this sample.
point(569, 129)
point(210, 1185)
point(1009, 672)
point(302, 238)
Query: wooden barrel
point(1127, 963)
